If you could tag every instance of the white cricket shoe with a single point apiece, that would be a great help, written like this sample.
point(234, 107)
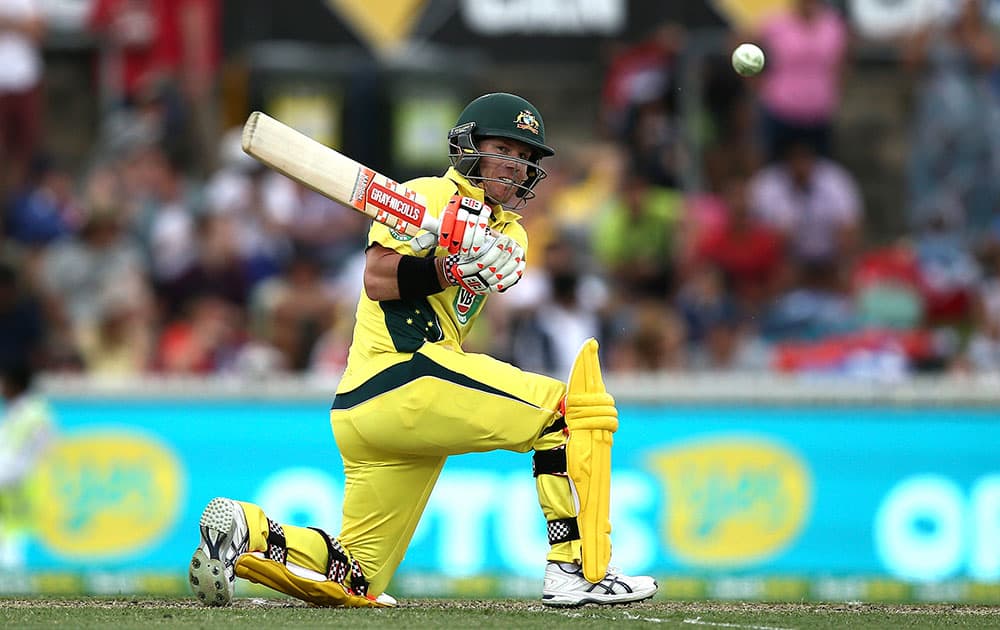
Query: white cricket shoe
point(566, 586)
point(224, 536)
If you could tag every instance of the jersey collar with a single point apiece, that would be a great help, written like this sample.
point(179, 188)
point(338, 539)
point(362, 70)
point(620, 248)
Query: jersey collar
point(468, 189)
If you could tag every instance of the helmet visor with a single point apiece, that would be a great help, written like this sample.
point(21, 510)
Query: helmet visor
point(515, 194)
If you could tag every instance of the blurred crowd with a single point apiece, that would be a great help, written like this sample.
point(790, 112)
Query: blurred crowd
point(172, 252)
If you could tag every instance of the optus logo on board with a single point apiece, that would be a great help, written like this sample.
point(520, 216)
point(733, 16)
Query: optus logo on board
point(108, 494)
point(732, 501)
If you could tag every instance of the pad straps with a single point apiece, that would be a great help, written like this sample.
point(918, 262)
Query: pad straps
point(553, 462)
point(558, 425)
point(550, 462)
point(339, 564)
point(277, 547)
point(562, 530)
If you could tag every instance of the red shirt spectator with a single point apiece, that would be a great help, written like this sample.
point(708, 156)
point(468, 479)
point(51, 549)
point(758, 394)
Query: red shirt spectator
point(749, 252)
point(152, 39)
point(639, 72)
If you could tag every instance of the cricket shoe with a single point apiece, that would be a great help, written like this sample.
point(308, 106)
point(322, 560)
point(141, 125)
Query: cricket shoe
point(566, 586)
point(224, 536)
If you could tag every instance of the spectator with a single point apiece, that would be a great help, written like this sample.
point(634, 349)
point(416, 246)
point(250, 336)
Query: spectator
point(955, 146)
point(638, 104)
point(160, 57)
point(47, 209)
point(731, 133)
point(295, 309)
point(208, 339)
point(647, 337)
point(546, 338)
point(749, 253)
point(329, 355)
point(21, 28)
point(816, 308)
point(313, 223)
point(813, 202)
point(26, 433)
point(576, 189)
point(949, 272)
point(124, 173)
point(237, 190)
point(218, 267)
point(167, 209)
point(889, 288)
point(806, 49)
point(76, 270)
point(718, 333)
point(639, 74)
point(119, 343)
point(22, 325)
point(704, 303)
point(983, 353)
point(634, 238)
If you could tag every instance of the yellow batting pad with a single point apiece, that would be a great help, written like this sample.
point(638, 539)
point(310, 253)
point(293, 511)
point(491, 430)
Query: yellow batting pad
point(326, 593)
point(592, 419)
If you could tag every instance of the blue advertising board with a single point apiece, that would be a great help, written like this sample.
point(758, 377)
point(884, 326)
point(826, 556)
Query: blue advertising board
point(902, 493)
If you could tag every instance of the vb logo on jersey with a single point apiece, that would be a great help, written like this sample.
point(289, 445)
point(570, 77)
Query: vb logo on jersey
point(399, 236)
point(527, 121)
point(466, 305)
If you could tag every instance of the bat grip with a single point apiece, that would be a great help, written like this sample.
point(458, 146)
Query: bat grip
point(431, 224)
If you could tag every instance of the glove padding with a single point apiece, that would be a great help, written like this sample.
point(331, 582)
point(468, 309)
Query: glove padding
point(464, 226)
point(499, 267)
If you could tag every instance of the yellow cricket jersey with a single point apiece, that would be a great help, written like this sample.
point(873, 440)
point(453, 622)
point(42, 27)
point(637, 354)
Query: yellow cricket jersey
point(388, 332)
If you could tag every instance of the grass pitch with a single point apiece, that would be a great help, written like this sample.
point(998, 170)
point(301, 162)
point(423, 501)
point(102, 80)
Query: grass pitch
point(99, 612)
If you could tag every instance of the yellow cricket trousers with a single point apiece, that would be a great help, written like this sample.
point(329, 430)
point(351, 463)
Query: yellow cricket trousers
point(394, 433)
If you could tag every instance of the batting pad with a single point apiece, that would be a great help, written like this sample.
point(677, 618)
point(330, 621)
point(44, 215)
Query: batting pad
point(591, 418)
point(327, 593)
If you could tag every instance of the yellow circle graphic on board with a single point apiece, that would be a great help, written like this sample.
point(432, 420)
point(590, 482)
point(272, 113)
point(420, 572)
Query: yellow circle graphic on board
point(107, 494)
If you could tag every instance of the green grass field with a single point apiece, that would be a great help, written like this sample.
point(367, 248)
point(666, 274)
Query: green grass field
point(144, 612)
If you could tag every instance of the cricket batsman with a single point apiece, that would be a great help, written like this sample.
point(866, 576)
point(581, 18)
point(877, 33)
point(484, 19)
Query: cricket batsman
point(410, 397)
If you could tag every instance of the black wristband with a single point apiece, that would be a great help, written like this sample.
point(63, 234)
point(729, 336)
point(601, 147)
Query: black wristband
point(417, 277)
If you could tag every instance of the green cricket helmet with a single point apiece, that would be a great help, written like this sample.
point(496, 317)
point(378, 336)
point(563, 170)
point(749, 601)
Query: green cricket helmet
point(505, 116)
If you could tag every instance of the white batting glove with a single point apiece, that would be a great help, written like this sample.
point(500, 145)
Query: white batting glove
point(497, 269)
point(464, 226)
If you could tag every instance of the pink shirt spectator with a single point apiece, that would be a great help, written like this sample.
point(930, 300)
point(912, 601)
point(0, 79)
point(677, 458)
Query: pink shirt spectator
point(802, 80)
point(810, 216)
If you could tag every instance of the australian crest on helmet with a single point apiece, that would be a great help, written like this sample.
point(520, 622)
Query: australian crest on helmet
point(527, 121)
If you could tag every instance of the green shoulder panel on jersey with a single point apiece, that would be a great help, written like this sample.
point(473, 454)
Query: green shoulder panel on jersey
point(410, 323)
point(406, 372)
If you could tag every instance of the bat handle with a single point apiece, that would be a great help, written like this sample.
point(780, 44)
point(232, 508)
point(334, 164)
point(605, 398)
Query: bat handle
point(427, 240)
point(431, 224)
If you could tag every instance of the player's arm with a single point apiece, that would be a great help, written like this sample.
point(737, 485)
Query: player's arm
point(390, 275)
point(479, 261)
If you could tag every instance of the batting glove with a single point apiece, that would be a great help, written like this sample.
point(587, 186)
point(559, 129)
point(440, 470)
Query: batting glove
point(497, 269)
point(464, 226)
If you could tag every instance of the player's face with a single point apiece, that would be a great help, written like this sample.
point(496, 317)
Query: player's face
point(498, 167)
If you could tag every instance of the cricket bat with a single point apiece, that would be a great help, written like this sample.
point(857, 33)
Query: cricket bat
point(334, 175)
